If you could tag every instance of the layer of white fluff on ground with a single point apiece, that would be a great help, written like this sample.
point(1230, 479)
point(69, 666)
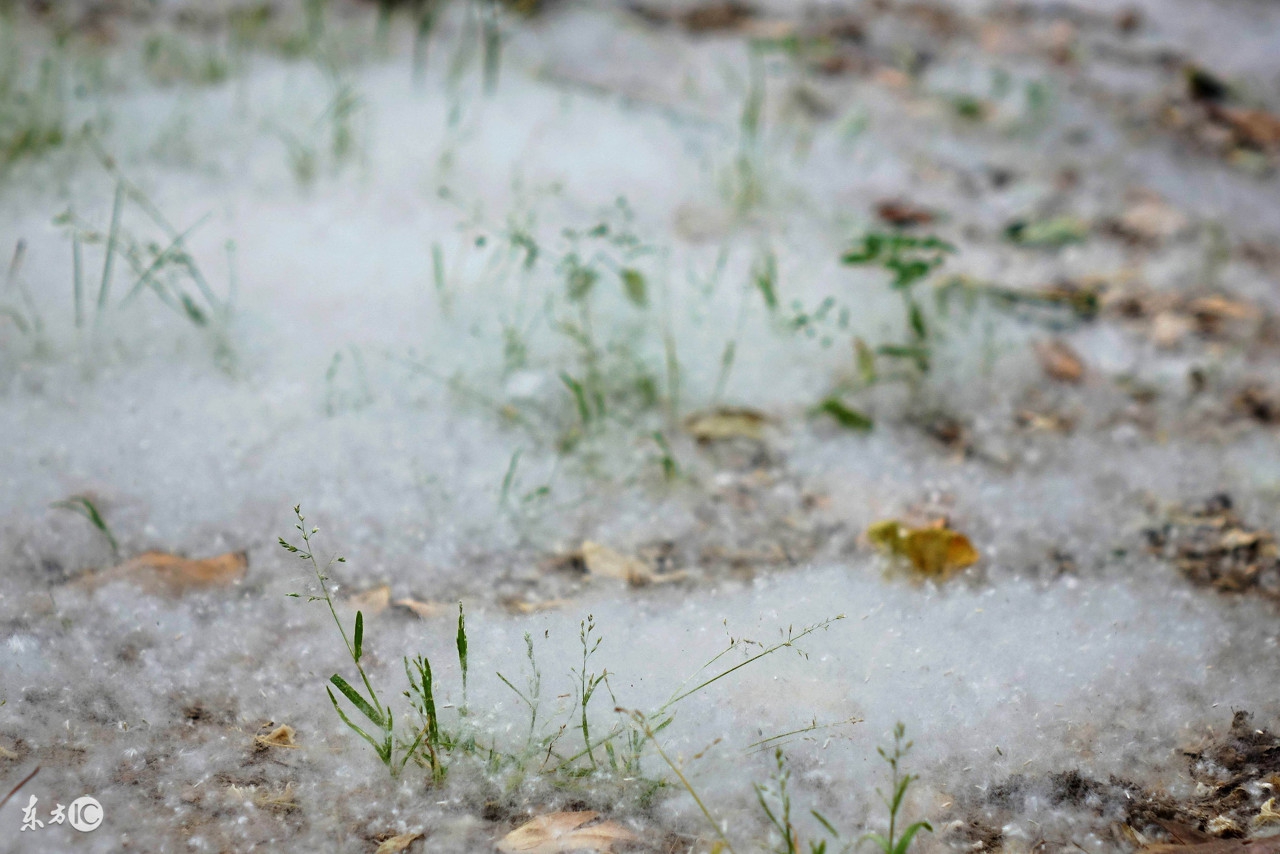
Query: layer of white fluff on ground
point(151, 704)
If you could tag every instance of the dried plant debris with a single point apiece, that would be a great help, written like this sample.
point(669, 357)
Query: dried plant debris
point(396, 844)
point(1170, 319)
point(1213, 547)
point(1235, 773)
point(1255, 402)
point(748, 522)
point(1210, 115)
point(904, 214)
point(1044, 422)
point(603, 562)
point(726, 423)
point(1054, 305)
point(160, 572)
point(371, 602)
point(281, 736)
point(424, 610)
point(712, 16)
point(1149, 220)
point(563, 832)
point(1060, 361)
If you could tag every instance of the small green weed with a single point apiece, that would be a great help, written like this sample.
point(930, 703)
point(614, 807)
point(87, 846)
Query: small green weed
point(910, 260)
point(775, 800)
point(85, 506)
point(394, 754)
point(895, 843)
point(166, 270)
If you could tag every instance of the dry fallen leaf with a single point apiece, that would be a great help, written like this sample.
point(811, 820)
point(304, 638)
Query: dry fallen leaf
point(159, 572)
point(520, 606)
point(1218, 307)
point(397, 843)
point(1152, 219)
point(1060, 361)
point(607, 563)
point(726, 423)
point(718, 15)
point(1269, 845)
point(1047, 422)
point(1169, 328)
point(425, 610)
point(1267, 813)
point(1254, 128)
point(281, 736)
point(903, 213)
point(604, 562)
point(372, 601)
point(563, 832)
point(934, 551)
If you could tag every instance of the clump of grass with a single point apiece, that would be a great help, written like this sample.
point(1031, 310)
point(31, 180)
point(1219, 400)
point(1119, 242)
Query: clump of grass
point(169, 59)
point(332, 138)
point(910, 260)
point(775, 801)
point(571, 748)
point(32, 111)
point(381, 719)
point(168, 270)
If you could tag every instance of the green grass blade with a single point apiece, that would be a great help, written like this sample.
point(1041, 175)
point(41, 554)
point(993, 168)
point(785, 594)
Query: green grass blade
point(905, 842)
point(85, 507)
point(113, 235)
point(359, 702)
point(77, 272)
point(845, 416)
point(356, 729)
point(636, 289)
point(462, 649)
point(358, 644)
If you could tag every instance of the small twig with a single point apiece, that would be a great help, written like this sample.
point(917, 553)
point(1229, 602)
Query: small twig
point(25, 780)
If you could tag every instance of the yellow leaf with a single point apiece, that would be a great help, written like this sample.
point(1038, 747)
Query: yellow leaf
point(935, 551)
point(886, 536)
point(563, 832)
